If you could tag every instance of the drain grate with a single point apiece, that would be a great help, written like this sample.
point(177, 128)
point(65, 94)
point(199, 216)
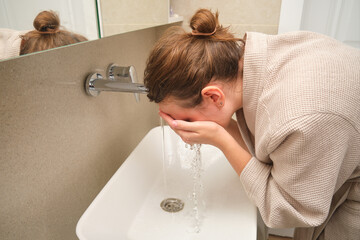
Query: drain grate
point(172, 205)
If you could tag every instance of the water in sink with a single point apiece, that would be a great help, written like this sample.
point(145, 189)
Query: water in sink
point(190, 157)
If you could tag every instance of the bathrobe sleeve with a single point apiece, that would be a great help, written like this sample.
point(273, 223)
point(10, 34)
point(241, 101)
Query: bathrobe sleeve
point(307, 155)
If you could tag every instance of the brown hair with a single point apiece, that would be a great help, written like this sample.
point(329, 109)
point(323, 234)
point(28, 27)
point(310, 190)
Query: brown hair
point(181, 64)
point(47, 34)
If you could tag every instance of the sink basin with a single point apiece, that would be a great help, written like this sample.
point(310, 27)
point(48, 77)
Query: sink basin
point(128, 207)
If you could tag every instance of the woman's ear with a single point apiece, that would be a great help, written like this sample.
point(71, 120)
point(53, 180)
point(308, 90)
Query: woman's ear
point(213, 95)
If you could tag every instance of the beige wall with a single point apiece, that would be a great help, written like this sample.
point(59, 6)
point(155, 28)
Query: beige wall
point(58, 146)
point(242, 15)
point(120, 16)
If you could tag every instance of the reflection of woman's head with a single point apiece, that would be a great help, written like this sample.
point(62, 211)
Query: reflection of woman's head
point(47, 34)
point(181, 64)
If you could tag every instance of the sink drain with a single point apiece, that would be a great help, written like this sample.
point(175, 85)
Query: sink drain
point(172, 205)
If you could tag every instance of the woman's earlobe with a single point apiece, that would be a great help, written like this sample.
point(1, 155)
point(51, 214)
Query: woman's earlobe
point(220, 104)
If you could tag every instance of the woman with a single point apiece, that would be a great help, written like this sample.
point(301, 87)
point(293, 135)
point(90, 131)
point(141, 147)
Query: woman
point(47, 35)
point(295, 144)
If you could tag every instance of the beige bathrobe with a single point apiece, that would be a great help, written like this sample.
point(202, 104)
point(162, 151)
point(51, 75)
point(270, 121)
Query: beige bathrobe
point(301, 122)
point(10, 42)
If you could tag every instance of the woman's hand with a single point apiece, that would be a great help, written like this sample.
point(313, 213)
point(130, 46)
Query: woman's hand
point(206, 132)
point(201, 132)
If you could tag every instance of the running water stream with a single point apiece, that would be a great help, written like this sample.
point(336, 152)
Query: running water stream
point(197, 185)
point(190, 156)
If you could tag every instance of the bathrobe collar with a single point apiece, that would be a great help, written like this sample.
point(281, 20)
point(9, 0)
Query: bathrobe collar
point(255, 56)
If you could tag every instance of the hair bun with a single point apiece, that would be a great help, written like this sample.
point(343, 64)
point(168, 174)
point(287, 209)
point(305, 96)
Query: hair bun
point(47, 22)
point(204, 22)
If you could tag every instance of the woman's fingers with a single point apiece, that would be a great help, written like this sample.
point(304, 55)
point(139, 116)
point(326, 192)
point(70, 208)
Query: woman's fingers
point(178, 124)
point(193, 132)
point(186, 136)
point(186, 126)
point(170, 121)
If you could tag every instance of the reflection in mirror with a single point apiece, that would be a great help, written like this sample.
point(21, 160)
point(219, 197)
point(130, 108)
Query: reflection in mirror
point(89, 18)
point(75, 16)
point(47, 35)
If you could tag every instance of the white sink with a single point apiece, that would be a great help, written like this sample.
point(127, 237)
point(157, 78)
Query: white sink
point(128, 207)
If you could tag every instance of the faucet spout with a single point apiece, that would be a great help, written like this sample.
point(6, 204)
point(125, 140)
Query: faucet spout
point(120, 79)
point(101, 84)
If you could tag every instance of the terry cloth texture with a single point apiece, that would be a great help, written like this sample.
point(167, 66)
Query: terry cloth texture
point(301, 122)
point(10, 42)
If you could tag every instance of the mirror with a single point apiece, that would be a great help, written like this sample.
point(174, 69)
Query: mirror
point(90, 18)
point(75, 16)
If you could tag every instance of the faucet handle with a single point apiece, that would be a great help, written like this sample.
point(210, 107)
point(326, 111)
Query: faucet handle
point(123, 74)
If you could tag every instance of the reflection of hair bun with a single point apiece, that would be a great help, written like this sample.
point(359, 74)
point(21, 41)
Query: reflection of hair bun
point(47, 22)
point(204, 22)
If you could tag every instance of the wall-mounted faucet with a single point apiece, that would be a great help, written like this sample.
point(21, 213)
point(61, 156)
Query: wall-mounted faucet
point(119, 79)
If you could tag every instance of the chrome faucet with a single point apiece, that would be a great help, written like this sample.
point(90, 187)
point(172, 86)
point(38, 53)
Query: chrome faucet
point(119, 79)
